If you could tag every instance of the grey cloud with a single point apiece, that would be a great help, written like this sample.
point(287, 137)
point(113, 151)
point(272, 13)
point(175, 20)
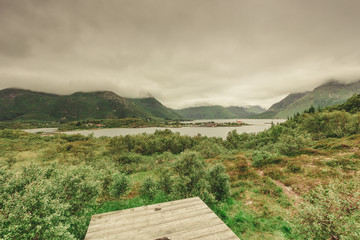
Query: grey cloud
point(183, 52)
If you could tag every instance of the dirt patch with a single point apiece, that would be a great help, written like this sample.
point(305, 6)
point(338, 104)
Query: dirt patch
point(288, 191)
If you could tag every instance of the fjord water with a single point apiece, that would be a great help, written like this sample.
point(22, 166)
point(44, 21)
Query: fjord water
point(254, 125)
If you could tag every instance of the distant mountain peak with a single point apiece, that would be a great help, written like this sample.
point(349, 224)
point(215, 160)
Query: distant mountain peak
point(15, 92)
point(329, 93)
point(330, 84)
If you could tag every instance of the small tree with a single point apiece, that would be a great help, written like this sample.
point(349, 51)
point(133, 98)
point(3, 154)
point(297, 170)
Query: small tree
point(191, 169)
point(149, 188)
point(165, 182)
point(195, 180)
point(219, 182)
point(120, 185)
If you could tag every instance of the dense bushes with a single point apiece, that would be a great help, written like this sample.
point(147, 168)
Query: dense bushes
point(210, 147)
point(262, 158)
point(11, 134)
point(219, 182)
point(331, 211)
point(120, 185)
point(46, 203)
point(189, 176)
point(149, 188)
point(291, 142)
point(331, 124)
point(148, 144)
point(291, 137)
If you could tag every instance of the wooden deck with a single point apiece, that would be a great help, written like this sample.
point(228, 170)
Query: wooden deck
point(183, 219)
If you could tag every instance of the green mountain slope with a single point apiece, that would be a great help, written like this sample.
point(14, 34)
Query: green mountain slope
point(328, 94)
point(206, 112)
point(219, 112)
point(277, 107)
point(245, 112)
point(155, 108)
point(25, 104)
point(254, 109)
point(352, 105)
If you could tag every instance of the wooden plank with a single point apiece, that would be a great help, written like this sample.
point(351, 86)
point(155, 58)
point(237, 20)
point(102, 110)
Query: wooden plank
point(227, 234)
point(142, 211)
point(150, 227)
point(153, 219)
point(153, 206)
point(205, 232)
point(153, 232)
point(178, 220)
point(163, 224)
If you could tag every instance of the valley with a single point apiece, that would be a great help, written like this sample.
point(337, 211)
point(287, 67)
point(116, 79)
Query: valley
point(263, 185)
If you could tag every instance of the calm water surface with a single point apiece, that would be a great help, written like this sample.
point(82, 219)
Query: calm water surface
point(255, 125)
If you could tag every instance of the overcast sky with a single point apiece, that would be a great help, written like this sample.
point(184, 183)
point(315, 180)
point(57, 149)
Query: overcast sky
point(183, 52)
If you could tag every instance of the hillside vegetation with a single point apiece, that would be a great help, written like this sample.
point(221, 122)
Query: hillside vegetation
point(328, 94)
point(297, 180)
point(277, 107)
point(155, 108)
point(219, 112)
point(19, 104)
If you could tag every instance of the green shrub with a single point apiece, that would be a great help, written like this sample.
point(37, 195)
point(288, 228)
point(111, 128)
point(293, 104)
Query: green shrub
point(165, 182)
point(274, 173)
point(10, 134)
point(294, 168)
point(331, 211)
point(262, 158)
point(193, 179)
point(344, 163)
point(74, 137)
point(237, 141)
point(209, 148)
point(149, 188)
point(291, 142)
point(330, 124)
point(34, 214)
point(191, 167)
point(120, 185)
point(47, 202)
point(129, 157)
point(219, 182)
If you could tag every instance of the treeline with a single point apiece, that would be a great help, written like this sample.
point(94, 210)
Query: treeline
point(291, 137)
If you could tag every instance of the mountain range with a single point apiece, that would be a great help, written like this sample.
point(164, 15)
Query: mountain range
point(219, 112)
point(327, 94)
point(20, 104)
